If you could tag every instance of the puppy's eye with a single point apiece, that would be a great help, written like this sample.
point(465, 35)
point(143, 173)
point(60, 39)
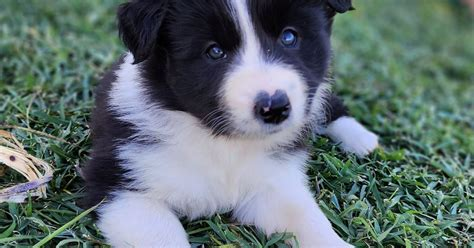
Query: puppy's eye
point(289, 38)
point(215, 52)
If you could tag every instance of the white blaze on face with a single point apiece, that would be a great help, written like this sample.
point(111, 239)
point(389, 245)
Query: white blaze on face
point(251, 74)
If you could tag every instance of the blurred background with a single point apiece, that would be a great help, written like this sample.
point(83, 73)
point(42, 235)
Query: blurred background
point(405, 68)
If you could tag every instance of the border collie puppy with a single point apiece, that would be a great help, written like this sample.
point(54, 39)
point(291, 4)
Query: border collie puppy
point(209, 113)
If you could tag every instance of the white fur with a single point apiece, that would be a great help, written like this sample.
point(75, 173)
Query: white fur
point(245, 82)
point(352, 136)
point(251, 53)
point(190, 173)
point(286, 205)
point(133, 220)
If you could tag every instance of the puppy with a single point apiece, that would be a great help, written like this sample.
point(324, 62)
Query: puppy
point(209, 113)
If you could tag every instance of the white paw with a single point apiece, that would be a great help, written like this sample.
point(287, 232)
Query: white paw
point(132, 220)
point(352, 136)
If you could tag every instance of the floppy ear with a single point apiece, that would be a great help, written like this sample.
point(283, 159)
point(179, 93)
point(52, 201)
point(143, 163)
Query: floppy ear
point(139, 23)
point(340, 6)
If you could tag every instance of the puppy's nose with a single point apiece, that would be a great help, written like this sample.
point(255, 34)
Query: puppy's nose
point(272, 109)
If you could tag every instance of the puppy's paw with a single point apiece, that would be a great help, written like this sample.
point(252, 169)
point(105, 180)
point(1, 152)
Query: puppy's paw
point(352, 136)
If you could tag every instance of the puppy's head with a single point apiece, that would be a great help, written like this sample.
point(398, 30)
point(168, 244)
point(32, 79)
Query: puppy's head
point(249, 68)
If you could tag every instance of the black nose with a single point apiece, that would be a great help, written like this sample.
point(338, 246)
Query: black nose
point(272, 109)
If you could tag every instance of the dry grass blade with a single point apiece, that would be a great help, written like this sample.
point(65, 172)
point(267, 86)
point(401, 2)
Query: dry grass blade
point(36, 171)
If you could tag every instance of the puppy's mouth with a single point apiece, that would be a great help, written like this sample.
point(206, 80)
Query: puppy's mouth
point(256, 127)
point(269, 129)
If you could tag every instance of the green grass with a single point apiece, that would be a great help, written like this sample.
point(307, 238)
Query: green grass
point(405, 68)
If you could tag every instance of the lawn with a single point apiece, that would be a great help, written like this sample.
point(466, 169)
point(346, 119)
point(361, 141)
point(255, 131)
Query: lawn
point(405, 68)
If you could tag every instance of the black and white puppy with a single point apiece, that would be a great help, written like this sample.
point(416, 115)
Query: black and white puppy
point(209, 113)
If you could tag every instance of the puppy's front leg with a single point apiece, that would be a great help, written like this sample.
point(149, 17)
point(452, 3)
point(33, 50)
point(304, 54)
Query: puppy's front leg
point(131, 220)
point(289, 207)
point(352, 136)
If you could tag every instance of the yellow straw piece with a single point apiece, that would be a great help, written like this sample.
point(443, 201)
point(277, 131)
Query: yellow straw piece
point(36, 171)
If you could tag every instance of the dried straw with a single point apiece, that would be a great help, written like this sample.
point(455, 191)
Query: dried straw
point(36, 171)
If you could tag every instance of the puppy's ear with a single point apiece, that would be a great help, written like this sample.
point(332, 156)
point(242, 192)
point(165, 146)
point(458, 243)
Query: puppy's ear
point(139, 23)
point(340, 6)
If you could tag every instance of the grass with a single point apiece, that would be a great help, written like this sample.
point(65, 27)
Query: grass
point(405, 68)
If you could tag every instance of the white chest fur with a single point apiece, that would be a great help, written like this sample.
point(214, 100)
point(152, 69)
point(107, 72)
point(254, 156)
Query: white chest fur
point(198, 177)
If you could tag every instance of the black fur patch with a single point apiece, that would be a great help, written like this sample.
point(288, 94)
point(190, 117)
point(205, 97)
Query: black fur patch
point(179, 74)
point(334, 109)
point(340, 6)
point(103, 173)
point(139, 24)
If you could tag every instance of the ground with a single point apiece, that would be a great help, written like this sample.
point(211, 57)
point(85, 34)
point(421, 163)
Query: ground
point(405, 68)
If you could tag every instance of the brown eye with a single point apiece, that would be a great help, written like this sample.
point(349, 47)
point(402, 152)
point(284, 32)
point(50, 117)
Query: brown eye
point(215, 52)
